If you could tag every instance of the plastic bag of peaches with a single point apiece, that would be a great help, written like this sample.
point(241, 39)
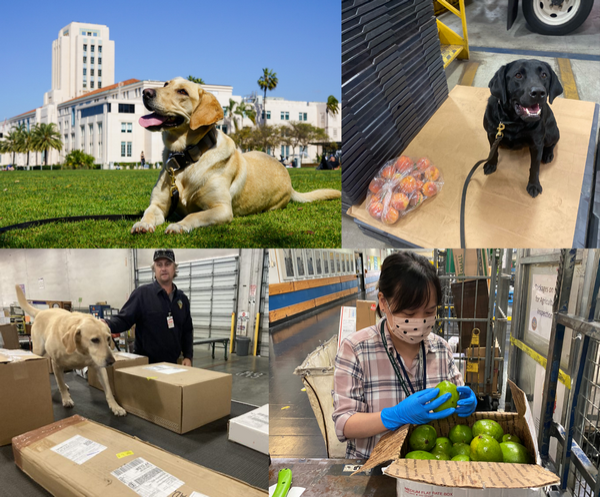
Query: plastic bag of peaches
point(401, 186)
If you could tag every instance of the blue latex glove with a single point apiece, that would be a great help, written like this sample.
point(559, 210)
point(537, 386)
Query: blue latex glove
point(415, 409)
point(467, 402)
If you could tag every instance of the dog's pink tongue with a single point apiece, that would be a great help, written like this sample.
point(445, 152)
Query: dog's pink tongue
point(151, 120)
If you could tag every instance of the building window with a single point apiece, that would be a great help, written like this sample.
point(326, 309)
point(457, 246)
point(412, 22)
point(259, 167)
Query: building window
point(285, 116)
point(91, 72)
point(91, 130)
point(285, 150)
point(72, 116)
point(128, 149)
point(99, 50)
point(84, 71)
point(92, 47)
point(224, 128)
point(123, 144)
point(84, 84)
point(84, 59)
point(126, 108)
point(92, 61)
point(129, 127)
point(99, 84)
point(99, 140)
point(123, 127)
point(99, 60)
point(99, 72)
point(82, 137)
point(84, 47)
point(91, 84)
point(225, 109)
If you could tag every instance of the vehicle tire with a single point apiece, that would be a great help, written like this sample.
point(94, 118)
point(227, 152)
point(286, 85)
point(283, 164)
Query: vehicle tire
point(545, 19)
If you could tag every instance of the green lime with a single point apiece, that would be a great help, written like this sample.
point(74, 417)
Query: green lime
point(485, 448)
point(460, 434)
point(515, 453)
point(447, 387)
point(488, 427)
point(461, 458)
point(440, 454)
point(419, 454)
point(511, 438)
point(460, 450)
point(423, 438)
point(443, 444)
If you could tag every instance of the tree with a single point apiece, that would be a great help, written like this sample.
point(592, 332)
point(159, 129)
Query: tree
point(10, 144)
point(78, 159)
point(229, 111)
point(245, 110)
point(200, 81)
point(243, 138)
point(332, 105)
point(268, 81)
point(24, 141)
point(301, 134)
point(266, 137)
point(46, 136)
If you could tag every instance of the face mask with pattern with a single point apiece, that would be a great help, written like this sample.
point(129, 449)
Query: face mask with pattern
point(410, 330)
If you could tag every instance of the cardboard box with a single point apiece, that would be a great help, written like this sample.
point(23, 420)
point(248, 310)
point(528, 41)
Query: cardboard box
point(123, 360)
point(499, 212)
point(347, 323)
point(452, 478)
point(478, 376)
point(179, 398)
point(9, 337)
point(365, 314)
point(252, 429)
point(25, 393)
point(109, 459)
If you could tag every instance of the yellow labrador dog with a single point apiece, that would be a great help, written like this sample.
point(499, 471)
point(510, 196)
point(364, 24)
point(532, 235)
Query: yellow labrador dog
point(214, 180)
point(72, 340)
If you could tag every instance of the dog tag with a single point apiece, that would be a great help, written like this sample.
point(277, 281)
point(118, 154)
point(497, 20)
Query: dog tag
point(170, 321)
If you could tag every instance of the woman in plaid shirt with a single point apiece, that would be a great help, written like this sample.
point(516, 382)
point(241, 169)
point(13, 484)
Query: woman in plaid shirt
point(385, 375)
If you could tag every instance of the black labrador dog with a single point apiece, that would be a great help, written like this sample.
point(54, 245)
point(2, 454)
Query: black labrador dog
point(521, 91)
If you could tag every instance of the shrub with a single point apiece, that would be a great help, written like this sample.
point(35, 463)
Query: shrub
point(77, 159)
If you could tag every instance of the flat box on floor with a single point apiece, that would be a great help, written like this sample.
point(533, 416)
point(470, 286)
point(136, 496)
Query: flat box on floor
point(251, 429)
point(9, 337)
point(179, 398)
point(25, 393)
point(76, 457)
point(122, 360)
point(465, 479)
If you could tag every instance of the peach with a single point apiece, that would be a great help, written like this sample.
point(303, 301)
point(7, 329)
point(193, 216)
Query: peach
point(408, 185)
point(423, 164)
point(432, 173)
point(387, 172)
point(430, 189)
point(375, 208)
point(390, 216)
point(404, 164)
point(376, 185)
point(416, 199)
point(399, 201)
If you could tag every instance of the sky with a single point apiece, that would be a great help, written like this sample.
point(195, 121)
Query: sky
point(226, 42)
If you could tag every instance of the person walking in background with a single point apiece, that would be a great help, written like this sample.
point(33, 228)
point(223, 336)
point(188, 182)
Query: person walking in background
point(143, 161)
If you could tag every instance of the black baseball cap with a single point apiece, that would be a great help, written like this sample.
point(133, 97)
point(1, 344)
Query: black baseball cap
point(164, 254)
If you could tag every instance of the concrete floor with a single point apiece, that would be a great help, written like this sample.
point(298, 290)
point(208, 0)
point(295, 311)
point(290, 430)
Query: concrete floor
point(486, 25)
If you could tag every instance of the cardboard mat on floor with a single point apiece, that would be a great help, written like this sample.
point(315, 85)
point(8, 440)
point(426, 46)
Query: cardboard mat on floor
point(499, 211)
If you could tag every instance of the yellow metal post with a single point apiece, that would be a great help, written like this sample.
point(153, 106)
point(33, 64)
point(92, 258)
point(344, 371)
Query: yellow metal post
point(453, 46)
point(256, 332)
point(232, 332)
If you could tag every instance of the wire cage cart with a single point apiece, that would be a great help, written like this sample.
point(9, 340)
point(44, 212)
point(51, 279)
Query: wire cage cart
point(473, 318)
point(568, 436)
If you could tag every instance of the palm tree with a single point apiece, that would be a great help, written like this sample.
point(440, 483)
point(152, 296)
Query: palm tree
point(46, 136)
point(23, 141)
point(245, 110)
point(10, 144)
point(78, 159)
point(268, 81)
point(332, 105)
point(229, 111)
point(200, 81)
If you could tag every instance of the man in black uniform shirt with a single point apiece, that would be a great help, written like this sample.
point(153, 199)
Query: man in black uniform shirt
point(161, 314)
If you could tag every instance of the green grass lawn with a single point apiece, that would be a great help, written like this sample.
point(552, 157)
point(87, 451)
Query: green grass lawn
point(32, 195)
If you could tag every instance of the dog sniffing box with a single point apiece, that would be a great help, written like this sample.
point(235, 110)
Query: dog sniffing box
point(251, 429)
point(179, 398)
point(428, 478)
point(25, 394)
point(76, 457)
point(122, 360)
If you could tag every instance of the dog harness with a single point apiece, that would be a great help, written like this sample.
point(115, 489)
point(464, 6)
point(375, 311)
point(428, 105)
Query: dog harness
point(177, 161)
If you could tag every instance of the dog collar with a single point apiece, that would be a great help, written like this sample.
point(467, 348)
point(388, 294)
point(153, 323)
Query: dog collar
point(180, 160)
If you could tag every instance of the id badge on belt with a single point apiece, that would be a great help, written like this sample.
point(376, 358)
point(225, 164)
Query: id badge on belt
point(170, 321)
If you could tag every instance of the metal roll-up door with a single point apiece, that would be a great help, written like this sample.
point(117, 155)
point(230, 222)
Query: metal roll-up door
point(211, 286)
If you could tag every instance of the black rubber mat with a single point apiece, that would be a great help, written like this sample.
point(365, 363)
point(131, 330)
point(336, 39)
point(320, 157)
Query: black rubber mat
point(208, 445)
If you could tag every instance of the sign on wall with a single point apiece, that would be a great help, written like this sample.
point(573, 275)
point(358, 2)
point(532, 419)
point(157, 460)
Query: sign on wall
point(540, 304)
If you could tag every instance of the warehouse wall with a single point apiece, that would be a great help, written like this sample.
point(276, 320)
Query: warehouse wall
point(68, 275)
point(144, 256)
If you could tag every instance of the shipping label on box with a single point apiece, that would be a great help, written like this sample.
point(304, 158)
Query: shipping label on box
point(116, 465)
point(170, 395)
point(25, 393)
point(347, 323)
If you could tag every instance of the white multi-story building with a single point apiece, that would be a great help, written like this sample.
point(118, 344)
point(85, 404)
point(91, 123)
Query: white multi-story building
point(95, 115)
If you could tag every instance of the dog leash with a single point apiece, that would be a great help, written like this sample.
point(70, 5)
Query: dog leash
point(499, 136)
point(74, 219)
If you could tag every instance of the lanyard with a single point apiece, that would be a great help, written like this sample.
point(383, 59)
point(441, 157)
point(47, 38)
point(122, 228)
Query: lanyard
point(395, 365)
